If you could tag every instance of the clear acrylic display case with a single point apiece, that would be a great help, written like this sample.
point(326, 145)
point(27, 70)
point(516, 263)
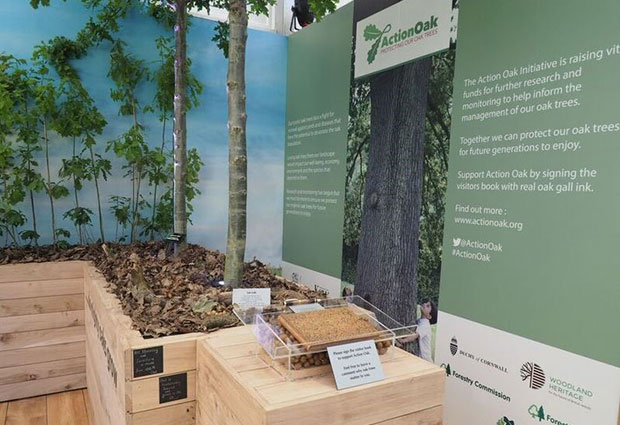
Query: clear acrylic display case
point(295, 357)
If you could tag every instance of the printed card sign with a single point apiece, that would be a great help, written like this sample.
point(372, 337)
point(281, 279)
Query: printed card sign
point(252, 297)
point(409, 30)
point(302, 308)
point(355, 364)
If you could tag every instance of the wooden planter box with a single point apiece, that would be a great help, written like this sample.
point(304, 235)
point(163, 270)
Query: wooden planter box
point(236, 387)
point(132, 380)
point(42, 335)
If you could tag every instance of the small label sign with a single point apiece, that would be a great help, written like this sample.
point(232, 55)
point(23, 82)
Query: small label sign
point(302, 308)
point(172, 388)
point(355, 364)
point(252, 297)
point(148, 361)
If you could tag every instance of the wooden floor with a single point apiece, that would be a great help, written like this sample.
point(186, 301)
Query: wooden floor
point(70, 408)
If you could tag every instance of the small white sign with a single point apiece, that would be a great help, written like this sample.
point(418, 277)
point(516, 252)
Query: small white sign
point(355, 364)
point(409, 30)
point(252, 297)
point(302, 308)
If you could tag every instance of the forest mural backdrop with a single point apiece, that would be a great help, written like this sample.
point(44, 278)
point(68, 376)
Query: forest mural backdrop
point(144, 46)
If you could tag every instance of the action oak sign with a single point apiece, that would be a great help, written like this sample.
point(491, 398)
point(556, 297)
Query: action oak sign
point(409, 30)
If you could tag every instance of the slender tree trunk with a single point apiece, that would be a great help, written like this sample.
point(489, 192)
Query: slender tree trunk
point(75, 194)
point(95, 177)
point(134, 220)
point(34, 218)
point(388, 256)
point(161, 151)
point(49, 181)
point(237, 155)
point(180, 128)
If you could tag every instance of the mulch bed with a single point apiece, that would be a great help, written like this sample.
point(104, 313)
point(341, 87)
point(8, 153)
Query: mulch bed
point(167, 296)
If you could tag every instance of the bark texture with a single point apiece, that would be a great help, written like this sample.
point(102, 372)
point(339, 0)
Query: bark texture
point(237, 154)
point(388, 256)
point(180, 125)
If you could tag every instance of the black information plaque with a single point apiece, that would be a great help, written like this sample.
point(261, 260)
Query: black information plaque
point(172, 388)
point(148, 361)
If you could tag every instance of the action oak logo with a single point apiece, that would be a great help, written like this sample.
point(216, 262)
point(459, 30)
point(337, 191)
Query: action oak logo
point(534, 375)
point(381, 38)
point(505, 421)
point(371, 32)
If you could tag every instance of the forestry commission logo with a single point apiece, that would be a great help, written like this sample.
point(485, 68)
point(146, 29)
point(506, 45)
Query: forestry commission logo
point(454, 346)
point(538, 413)
point(534, 375)
point(382, 39)
point(505, 421)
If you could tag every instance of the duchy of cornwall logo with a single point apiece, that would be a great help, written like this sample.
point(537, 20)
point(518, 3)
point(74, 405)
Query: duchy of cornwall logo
point(533, 375)
point(454, 346)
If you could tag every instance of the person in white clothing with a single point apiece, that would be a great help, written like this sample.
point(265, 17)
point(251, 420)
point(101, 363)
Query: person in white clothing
point(429, 317)
point(423, 332)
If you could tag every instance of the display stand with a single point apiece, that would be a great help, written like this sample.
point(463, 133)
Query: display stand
point(237, 387)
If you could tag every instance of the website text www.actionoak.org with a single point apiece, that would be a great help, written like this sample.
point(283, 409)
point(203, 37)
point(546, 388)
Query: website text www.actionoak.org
point(486, 222)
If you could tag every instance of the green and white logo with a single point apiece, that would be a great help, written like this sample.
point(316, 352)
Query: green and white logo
point(505, 421)
point(538, 412)
point(401, 33)
point(382, 40)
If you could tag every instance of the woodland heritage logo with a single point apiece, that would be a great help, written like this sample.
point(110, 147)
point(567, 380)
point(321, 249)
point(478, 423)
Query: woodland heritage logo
point(381, 39)
point(534, 375)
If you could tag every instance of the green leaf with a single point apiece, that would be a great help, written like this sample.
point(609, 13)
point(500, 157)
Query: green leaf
point(371, 32)
point(372, 54)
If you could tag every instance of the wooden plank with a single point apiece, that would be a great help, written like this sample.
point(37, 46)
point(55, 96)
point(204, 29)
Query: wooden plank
point(34, 355)
point(324, 386)
point(40, 305)
point(35, 322)
point(41, 271)
point(42, 386)
point(105, 376)
point(41, 288)
point(215, 376)
point(33, 372)
point(432, 416)
point(180, 414)
point(240, 350)
point(179, 354)
point(374, 403)
point(3, 407)
point(258, 377)
point(89, 410)
point(66, 409)
point(106, 408)
point(32, 411)
point(143, 394)
point(210, 411)
point(19, 340)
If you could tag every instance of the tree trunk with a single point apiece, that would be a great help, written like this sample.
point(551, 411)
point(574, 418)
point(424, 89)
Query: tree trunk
point(49, 181)
point(388, 256)
point(237, 155)
point(180, 129)
point(95, 177)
